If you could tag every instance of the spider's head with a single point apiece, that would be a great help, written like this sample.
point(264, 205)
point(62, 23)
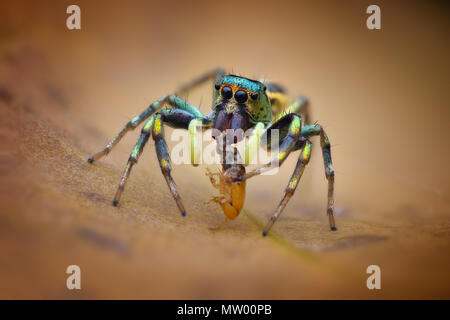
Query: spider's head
point(239, 103)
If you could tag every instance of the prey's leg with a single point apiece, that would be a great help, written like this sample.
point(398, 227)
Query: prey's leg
point(292, 185)
point(281, 105)
point(253, 143)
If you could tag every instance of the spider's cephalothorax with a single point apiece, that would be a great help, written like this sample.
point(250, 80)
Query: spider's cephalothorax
point(241, 95)
point(238, 104)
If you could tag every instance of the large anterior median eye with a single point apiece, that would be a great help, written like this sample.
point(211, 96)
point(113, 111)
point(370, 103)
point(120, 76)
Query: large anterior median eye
point(227, 93)
point(241, 96)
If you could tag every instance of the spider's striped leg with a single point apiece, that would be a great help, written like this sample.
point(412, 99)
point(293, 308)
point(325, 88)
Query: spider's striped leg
point(179, 119)
point(292, 185)
point(134, 156)
point(298, 106)
point(281, 105)
point(179, 116)
point(164, 160)
point(155, 106)
point(129, 126)
point(278, 97)
point(215, 74)
point(293, 123)
point(173, 100)
point(328, 164)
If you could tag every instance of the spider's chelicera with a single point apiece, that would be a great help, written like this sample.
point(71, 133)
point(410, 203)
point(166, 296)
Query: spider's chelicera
point(238, 104)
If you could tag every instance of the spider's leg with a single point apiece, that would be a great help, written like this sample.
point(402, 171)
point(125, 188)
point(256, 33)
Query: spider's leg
point(281, 105)
point(129, 126)
point(134, 156)
point(164, 160)
point(313, 130)
point(290, 127)
point(179, 119)
point(298, 106)
point(215, 74)
point(292, 185)
point(179, 116)
point(277, 95)
point(155, 106)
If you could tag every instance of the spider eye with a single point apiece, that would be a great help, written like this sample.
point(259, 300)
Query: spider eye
point(217, 86)
point(227, 93)
point(241, 96)
point(265, 88)
point(254, 95)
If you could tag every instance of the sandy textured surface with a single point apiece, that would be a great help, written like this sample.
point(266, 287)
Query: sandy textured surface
point(383, 99)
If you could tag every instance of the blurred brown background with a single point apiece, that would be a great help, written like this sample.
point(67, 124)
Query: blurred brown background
point(381, 95)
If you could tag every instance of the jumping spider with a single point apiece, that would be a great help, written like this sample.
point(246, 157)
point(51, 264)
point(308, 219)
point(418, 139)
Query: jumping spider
point(238, 103)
